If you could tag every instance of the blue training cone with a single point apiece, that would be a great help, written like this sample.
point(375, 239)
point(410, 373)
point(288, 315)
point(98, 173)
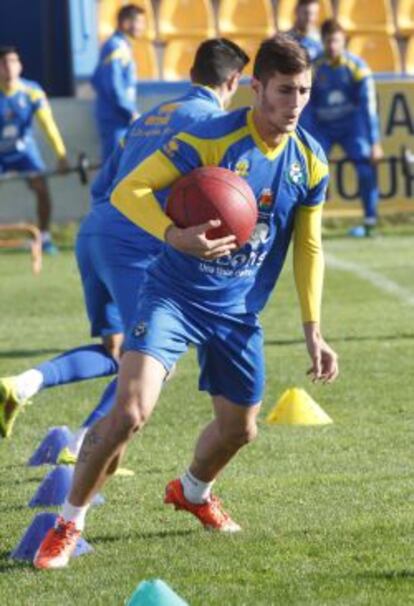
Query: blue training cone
point(55, 487)
point(155, 593)
point(49, 449)
point(34, 535)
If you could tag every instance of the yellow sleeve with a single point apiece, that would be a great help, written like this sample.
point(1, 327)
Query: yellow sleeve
point(48, 125)
point(308, 261)
point(134, 197)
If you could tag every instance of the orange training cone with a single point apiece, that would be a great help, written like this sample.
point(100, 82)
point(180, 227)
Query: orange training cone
point(296, 407)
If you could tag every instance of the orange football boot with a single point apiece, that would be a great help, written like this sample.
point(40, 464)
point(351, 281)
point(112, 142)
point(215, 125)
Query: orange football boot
point(57, 546)
point(211, 513)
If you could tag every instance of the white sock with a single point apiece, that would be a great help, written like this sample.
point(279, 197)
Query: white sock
point(76, 442)
point(70, 513)
point(46, 236)
point(195, 490)
point(28, 383)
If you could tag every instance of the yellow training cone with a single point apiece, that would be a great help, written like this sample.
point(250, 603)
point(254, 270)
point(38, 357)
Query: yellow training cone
point(296, 407)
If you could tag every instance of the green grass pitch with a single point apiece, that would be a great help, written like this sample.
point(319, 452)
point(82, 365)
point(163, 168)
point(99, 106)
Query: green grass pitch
point(327, 512)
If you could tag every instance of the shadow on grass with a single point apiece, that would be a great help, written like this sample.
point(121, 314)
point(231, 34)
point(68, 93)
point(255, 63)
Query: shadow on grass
point(157, 534)
point(350, 339)
point(12, 508)
point(29, 353)
point(8, 565)
point(12, 465)
point(23, 481)
point(389, 575)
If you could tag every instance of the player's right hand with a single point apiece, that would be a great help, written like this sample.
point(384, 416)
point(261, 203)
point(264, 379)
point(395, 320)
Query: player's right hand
point(324, 359)
point(193, 241)
point(377, 153)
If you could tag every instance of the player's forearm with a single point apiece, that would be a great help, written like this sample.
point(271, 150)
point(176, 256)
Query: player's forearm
point(121, 95)
point(134, 195)
point(123, 105)
point(308, 262)
point(368, 105)
point(51, 131)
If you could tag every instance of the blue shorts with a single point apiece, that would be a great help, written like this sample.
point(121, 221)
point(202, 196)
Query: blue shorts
point(28, 160)
point(230, 348)
point(112, 272)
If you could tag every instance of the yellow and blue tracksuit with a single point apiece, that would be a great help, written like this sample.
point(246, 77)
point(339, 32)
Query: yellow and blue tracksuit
point(311, 44)
point(113, 253)
point(215, 304)
point(115, 83)
point(18, 148)
point(342, 110)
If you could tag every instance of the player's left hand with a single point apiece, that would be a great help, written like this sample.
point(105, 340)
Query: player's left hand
point(324, 359)
point(377, 153)
point(62, 165)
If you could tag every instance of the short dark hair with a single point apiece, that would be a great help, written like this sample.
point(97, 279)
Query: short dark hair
point(306, 2)
point(282, 54)
point(215, 60)
point(8, 50)
point(129, 11)
point(331, 26)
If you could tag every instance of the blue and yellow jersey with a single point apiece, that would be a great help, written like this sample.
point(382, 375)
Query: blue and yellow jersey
point(289, 182)
point(115, 81)
point(144, 136)
point(342, 92)
point(311, 44)
point(18, 108)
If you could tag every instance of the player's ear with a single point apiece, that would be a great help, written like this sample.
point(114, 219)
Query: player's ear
point(256, 85)
point(233, 81)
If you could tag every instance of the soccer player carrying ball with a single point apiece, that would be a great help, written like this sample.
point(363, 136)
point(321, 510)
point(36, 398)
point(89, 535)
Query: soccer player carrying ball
point(209, 293)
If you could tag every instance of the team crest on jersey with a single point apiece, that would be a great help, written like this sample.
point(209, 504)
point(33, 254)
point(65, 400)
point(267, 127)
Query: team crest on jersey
point(266, 198)
point(259, 236)
point(295, 174)
point(336, 97)
point(242, 168)
point(140, 329)
point(171, 147)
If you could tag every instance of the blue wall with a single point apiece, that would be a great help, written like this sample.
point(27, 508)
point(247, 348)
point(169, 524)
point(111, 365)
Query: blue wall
point(41, 31)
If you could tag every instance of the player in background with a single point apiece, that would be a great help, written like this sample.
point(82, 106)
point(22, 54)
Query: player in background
point(113, 253)
point(115, 80)
point(21, 101)
point(306, 27)
point(343, 110)
point(208, 293)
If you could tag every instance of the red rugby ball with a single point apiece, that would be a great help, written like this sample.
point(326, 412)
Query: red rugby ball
point(211, 192)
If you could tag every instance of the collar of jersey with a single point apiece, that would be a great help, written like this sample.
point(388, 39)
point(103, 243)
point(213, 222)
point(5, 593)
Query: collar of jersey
point(271, 153)
point(210, 92)
point(12, 91)
point(337, 63)
point(128, 39)
point(312, 35)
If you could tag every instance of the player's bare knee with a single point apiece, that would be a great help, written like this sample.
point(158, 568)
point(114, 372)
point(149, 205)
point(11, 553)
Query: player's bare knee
point(129, 419)
point(240, 436)
point(249, 434)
